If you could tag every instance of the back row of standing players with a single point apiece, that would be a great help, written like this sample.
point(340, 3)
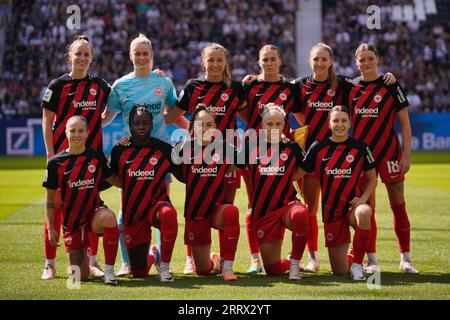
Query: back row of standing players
point(374, 107)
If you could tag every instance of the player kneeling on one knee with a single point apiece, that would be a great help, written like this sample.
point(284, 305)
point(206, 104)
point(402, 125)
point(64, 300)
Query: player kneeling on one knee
point(143, 165)
point(206, 205)
point(273, 164)
point(340, 162)
point(77, 173)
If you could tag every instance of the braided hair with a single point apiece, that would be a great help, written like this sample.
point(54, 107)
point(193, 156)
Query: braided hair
point(139, 110)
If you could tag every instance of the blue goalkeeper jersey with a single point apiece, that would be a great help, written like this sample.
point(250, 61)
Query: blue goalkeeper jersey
point(152, 92)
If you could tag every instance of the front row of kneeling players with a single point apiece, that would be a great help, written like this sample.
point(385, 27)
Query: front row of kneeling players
point(140, 169)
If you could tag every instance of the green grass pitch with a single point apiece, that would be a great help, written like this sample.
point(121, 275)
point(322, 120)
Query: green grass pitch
point(428, 202)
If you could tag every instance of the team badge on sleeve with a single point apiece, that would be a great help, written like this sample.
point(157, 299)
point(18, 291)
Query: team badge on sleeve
point(47, 95)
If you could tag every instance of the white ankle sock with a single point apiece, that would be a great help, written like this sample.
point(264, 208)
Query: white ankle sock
point(109, 268)
point(50, 262)
point(227, 265)
point(93, 260)
point(295, 262)
point(406, 256)
point(372, 257)
point(313, 255)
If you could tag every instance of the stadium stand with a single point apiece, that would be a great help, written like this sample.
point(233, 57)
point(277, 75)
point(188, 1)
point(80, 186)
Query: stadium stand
point(37, 36)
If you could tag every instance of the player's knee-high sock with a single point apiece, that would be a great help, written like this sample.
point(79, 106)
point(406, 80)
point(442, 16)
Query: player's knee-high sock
point(350, 256)
point(372, 245)
point(401, 226)
point(93, 243)
point(169, 229)
point(49, 250)
point(251, 233)
point(231, 230)
point(299, 219)
point(122, 244)
point(110, 244)
point(313, 233)
point(207, 271)
point(360, 241)
point(277, 268)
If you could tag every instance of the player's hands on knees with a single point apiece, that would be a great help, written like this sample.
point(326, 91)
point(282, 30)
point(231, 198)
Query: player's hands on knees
point(52, 236)
point(125, 141)
point(356, 201)
point(249, 78)
point(389, 78)
point(405, 164)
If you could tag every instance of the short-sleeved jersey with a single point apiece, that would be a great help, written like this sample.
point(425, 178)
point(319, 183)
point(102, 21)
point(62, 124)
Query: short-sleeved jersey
point(77, 177)
point(272, 168)
point(143, 170)
point(339, 167)
point(260, 93)
point(223, 101)
point(374, 106)
point(317, 98)
point(67, 97)
point(152, 92)
point(203, 170)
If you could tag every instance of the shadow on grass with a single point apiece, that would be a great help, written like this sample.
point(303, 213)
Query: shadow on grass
point(388, 279)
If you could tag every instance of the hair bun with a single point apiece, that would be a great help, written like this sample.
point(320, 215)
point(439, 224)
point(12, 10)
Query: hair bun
point(83, 37)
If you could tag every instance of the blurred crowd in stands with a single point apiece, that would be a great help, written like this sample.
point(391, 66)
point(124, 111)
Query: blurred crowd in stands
point(416, 52)
point(34, 39)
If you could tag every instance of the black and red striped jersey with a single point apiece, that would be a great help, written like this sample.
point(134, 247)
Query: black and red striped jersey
point(282, 93)
point(374, 106)
point(77, 176)
point(67, 97)
point(143, 170)
point(272, 167)
point(339, 167)
point(203, 169)
point(317, 98)
point(223, 101)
